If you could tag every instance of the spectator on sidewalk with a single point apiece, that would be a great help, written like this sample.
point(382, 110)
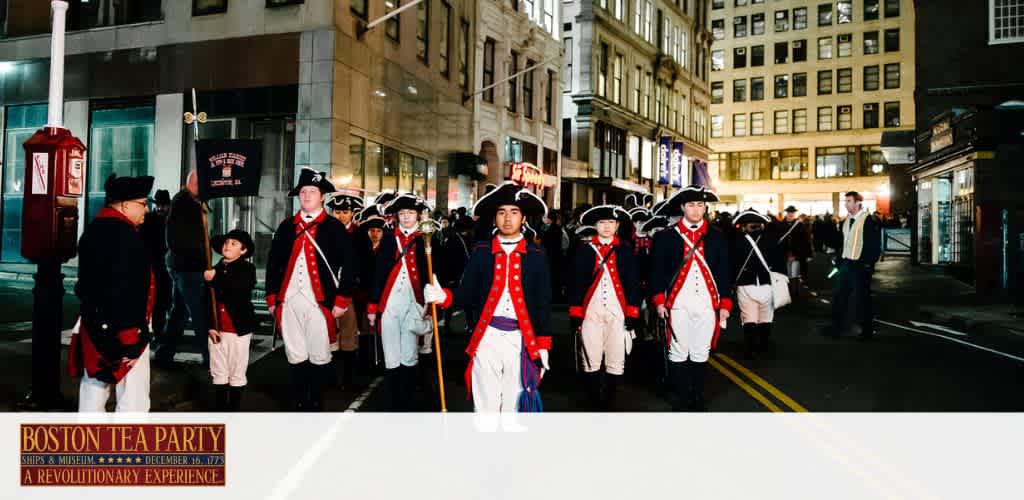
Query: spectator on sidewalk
point(187, 260)
point(859, 249)
point(554, 239)
point(154, 235)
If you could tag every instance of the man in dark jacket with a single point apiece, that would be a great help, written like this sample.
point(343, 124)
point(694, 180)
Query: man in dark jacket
point(154, 234)
point(187, 259)
point(604, 303)
point(794, 238)
point(859, 248)
point(456, 251)
point(110, 349)
point(311, 276)
point(691, 281)
point(552, 240)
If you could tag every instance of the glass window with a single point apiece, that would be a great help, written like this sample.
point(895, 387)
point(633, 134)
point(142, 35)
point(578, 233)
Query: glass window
point(845, 48)
point(206, 7)
point(617, 80)
point(845, 121)
point(871, 115)
point(824, 82)
point(717, 60)
point(717, 92)
point(392, 28)
point(358, 8)
point(513, 87)
point(757, 89)
point(836, 162)
point(892, 8)
point(488, 74)
point(528, 90)
point(567, 71)
point(781, 20)
point(781, 86)
point(824, 119)
point(844, 12)
point(717, 4)
point(389, 176)
point(356, 152)
point(781, 52)
point(825, 14)
point(739, 125)
point(872, 162)
point(789, 164)
point(405, 178)
point(870, 10)
point(892, 40)
point(446, 34)
point(739, 26)
point(892, 76)
point(1006, 21)
point(757, 55)
point(739, 57)
point(718, 29)
point(22, 122)
point(637, 80)
point(800, 18)
point(799, 121)
point(717, 125)
point(739, 90)
point(825, 48)
point(373, 167)
point(870, 77)
point(870, 42)
point(120, 142)
point(757, 24)
point(423, 31)
point(464, 54)
point(799, 50)
point(799, 84)
point(892, 114)
point(757, 123)
point(740, 3)
point(845, 83)
point(602, 71)
point(782, 122)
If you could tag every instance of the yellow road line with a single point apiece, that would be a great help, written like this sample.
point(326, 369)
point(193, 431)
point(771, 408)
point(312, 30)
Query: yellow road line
point(788, 401)
point(745, 386)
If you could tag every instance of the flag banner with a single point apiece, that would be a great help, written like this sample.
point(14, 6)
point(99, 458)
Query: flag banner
point(664, 160)
point(228, 167)
point(677, 164)
point(699, 173)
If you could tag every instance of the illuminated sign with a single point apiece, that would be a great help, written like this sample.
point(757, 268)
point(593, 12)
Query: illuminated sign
point(526, 174)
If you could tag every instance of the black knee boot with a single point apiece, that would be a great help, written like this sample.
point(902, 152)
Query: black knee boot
point(408, 387)
point(394, 376)
point(235, 398)
point(611, 387)
point(220, 397)
point(348, 369)
point(592, 386)
point(749, 338)
point(319, 377)
point(764, 334)
point(680, 379)
point(698, 373)
point(298, 392)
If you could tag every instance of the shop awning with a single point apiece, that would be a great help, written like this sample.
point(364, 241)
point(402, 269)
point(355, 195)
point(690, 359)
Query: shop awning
point(898, 147)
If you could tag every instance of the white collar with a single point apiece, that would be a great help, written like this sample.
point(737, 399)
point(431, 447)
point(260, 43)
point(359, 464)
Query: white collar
point(407, 232)
point(311, 215)
point(689, 224)
point(603, 242)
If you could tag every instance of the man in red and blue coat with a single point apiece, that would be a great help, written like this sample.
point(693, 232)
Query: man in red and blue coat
point(506, 285)
point(604, 303)
point(691, 283)
point(310, 280)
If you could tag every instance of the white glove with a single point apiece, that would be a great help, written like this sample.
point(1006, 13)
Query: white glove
point(544, 362)
point(433, 293)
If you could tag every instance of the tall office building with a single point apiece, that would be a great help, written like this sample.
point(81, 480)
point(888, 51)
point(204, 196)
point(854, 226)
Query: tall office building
point(801, 93)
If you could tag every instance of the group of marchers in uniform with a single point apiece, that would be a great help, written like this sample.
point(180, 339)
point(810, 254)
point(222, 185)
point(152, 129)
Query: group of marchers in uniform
point(348, 287)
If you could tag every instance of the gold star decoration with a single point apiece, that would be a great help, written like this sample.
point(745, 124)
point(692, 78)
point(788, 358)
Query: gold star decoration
point(102, 460)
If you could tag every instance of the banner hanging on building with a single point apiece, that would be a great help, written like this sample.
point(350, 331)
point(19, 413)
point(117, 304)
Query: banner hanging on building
point(677, 164)
point(699, 173)
point(664, 160)
point(228, 167)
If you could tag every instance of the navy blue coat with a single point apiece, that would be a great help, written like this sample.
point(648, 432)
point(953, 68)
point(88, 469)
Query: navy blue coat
point(584, 264)
point(667, 254)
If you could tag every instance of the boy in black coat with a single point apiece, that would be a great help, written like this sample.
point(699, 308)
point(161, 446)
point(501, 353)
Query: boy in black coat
point(231, 281)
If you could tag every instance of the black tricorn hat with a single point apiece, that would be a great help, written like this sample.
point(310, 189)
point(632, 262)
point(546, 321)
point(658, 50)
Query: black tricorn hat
point(509, 193)
point(368, 212)
point(585, 231)
point(604, 212)
point(630, 202)
point(310, 177)
point(384, 197)
point(406, 201)
point(654, 224)
point(127, 188)
point(791, 208)
point(161, 197)
point(640, 214)
point(235, 234)
point(674, 205)
point(374, 221)
point(343, 200)
point(750, 216)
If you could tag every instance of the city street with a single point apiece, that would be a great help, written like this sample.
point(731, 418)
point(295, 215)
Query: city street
point(924, 357)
